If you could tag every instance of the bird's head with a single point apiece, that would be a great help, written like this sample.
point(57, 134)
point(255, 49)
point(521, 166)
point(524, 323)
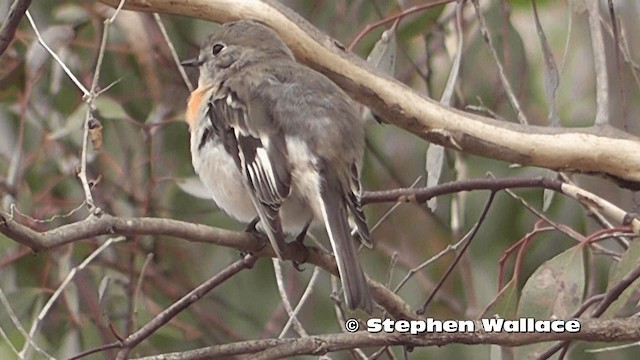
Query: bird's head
point(234, 46)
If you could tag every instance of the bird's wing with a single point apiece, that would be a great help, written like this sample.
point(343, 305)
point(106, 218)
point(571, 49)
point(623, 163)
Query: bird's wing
point(243, 121)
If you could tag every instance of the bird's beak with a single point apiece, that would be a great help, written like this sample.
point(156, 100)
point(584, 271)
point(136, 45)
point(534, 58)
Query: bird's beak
point(192, 62)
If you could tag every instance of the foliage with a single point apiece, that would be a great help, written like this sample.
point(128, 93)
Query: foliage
point(138, 165)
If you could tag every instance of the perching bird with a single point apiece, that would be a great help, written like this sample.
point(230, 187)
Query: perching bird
point(274, 139)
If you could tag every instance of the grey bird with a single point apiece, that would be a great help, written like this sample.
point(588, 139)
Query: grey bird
point(275, 140)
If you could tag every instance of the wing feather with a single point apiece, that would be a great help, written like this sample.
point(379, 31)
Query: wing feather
point(259, 151)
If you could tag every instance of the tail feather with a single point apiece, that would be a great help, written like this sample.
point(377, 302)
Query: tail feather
point(359, 218)
point(334, 214)
point(355, 206)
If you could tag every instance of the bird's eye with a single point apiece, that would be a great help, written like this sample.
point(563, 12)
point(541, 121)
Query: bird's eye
point(217, 48)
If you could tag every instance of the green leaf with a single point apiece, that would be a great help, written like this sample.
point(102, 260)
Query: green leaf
point(626, 303)
point(109, 108)
point(384, 52)
point(383, 58)
point(505, 303)
point(555, 289)
point(548, 195)
point(22, 303)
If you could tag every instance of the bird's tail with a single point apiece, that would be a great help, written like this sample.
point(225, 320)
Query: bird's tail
point(334, 214)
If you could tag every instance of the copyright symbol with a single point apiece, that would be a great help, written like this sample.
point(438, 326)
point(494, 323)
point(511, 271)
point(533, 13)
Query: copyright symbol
point(352, 325)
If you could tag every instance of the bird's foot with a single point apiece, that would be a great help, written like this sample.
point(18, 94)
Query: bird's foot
point(253, 230)
point(299, 240)
point(251, 227)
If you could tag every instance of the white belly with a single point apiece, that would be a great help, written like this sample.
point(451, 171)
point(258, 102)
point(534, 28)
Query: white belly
point(219, 173)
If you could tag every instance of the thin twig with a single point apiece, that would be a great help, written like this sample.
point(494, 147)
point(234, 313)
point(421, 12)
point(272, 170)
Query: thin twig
point(501, 73)
point(138, 290)
point(172, 50)
point(90, 99)
point(3, 335)
point(459, 255)
point(594, 212)
point(421, 195)
point(277, 268)
point(82, 174)
point(117, 12)
point(430, 261)
point(303, 299)
point(520, 246)
point(391, 18)
point(393, 208)
point(53, 218)
point(172, 311)
point(55, 56)
point(18, 325)
point(43, 313)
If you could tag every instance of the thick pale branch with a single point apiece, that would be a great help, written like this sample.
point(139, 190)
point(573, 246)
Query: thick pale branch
point(594, 150)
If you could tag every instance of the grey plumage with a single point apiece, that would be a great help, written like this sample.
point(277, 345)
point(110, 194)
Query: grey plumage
point(291, 138)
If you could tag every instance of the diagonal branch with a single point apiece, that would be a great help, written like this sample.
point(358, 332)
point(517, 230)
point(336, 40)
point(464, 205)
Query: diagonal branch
point(590, 150)
point(9, 26)
point(172, 311)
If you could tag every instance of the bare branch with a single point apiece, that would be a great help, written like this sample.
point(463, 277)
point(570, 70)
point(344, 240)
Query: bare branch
point(584, 197)
point(56, 57)
point(293, 317)
point(583, 150)
point(110, 225)
point(172, 311)
point(9, 26)
point(590, 330)
point(405, 12)
point(172, 50)
point(467, 241)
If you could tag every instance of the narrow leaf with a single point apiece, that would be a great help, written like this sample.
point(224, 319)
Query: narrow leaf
point(551, 77)
point(435, 159)
point(627, 302)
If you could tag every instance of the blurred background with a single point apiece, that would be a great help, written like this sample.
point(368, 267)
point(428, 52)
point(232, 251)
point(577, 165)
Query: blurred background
point(143, 168)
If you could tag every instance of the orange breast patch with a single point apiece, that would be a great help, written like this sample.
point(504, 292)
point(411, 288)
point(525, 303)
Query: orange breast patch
point(193, 106)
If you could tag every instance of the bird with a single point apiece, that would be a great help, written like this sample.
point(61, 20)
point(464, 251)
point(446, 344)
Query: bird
point(276, 141)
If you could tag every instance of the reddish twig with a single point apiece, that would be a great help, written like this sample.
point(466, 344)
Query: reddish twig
point(391, 18)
